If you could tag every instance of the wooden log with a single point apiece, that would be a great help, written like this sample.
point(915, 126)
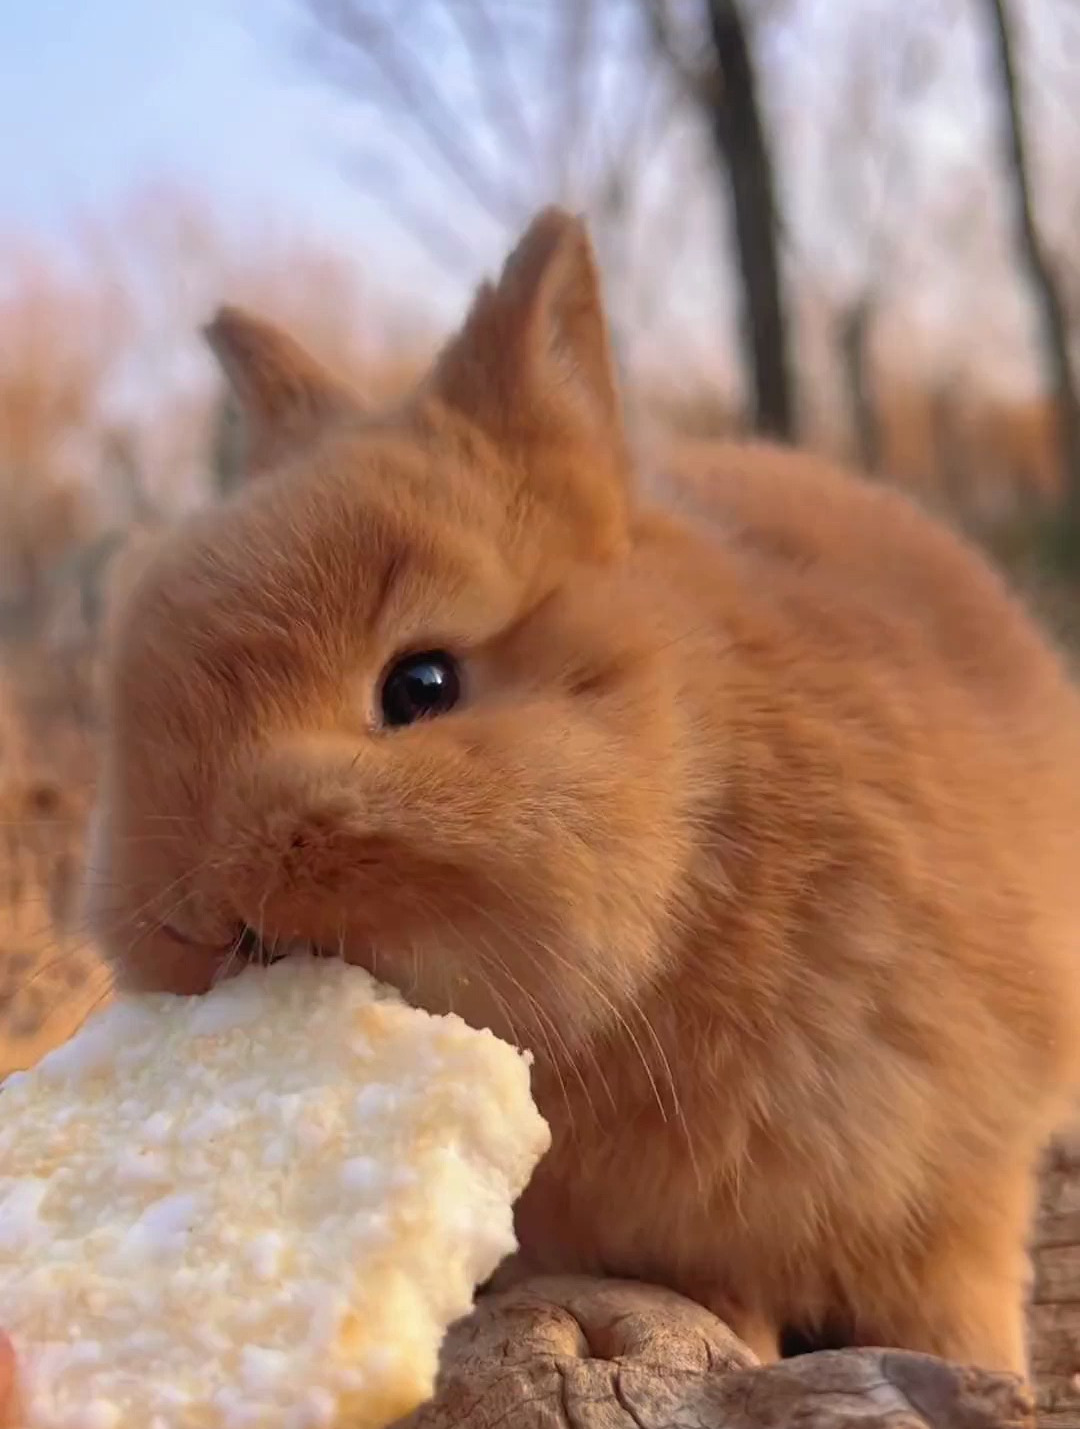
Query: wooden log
point(575, 1353)
point(1054, 1316)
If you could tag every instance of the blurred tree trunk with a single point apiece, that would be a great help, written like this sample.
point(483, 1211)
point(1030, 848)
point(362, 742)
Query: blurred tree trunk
point(855, 326)
point(949, 461)
point(738, 132)
point(1053, 320)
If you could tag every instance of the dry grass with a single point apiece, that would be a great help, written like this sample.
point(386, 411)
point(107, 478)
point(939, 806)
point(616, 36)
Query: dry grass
point(49, 978)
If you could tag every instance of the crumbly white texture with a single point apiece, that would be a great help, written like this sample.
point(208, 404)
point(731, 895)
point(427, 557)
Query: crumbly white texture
point(259, 1209)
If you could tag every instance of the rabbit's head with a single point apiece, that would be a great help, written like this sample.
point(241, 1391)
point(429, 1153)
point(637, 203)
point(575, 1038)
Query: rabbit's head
point(406, 697)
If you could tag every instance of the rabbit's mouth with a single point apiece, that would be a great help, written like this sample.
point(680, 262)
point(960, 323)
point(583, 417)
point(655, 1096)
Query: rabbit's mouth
point(266, 953)
point(435, 970)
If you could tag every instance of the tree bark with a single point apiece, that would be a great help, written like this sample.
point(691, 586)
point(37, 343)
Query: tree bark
point(738, 132)
point(855, 328)
point(951, 468)
point(1053, 319)
point(1054, 1315)
point(575, 1353)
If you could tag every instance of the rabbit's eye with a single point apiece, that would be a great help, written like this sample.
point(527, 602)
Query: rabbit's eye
point(419, 686)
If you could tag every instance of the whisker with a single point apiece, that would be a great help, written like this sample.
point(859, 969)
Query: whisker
point(499, 969)
point(552, 1035)
point(416, 970)
point(55, 963)
point(558, 997)
point(634, 1008)
point(135, 914)
point(41, 821)
point(576, 970)
point(96, 1004)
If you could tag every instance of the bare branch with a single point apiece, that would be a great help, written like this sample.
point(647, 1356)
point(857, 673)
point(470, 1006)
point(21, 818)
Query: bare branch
point(432, 231)
point(423, 102)
point(1056, 348)
point(571, 62)
point(696, 79)
point(493, 73)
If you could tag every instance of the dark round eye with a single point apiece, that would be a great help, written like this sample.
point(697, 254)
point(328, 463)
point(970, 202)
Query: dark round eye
point(419, 686)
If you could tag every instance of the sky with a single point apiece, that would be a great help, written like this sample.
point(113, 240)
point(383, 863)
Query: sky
point(96, 93)
point(100, 96)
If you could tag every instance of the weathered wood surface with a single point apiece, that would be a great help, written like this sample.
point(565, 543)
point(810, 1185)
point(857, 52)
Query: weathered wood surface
point(574, 1353)
point(1055, 1301)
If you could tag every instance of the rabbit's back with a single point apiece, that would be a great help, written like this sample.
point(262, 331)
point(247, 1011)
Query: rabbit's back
point(874, 1022)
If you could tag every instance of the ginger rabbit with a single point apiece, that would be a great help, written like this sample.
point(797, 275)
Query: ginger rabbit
point(755, 820)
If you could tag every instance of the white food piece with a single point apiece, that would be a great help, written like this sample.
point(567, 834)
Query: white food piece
point(260, 1209)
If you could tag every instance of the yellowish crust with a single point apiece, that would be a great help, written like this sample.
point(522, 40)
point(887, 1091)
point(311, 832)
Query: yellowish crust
point(260, 1208)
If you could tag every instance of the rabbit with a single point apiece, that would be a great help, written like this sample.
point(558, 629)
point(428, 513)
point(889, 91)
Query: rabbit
point(748, 806)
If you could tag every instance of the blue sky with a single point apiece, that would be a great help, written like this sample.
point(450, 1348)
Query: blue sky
point(98, 96)
point(96, 93)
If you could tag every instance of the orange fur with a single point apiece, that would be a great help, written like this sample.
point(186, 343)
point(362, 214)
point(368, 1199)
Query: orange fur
point(756, 822)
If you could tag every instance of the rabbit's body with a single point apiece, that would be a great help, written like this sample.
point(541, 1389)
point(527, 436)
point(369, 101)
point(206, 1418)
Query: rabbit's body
point(832, 1100)
point(756, 823)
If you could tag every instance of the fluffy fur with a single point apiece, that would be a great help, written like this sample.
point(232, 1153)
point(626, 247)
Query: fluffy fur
point(756, 822)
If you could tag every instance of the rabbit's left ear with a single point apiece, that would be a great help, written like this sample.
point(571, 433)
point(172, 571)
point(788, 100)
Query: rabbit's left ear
point(532, 367)
point(284, 394)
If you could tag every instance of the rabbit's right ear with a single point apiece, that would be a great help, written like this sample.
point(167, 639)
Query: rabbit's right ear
point(532, 367)
point(285, 396)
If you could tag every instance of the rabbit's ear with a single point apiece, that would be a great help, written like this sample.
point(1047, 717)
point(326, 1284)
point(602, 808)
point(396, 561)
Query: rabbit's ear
point(285, 397)
point(532, 367)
